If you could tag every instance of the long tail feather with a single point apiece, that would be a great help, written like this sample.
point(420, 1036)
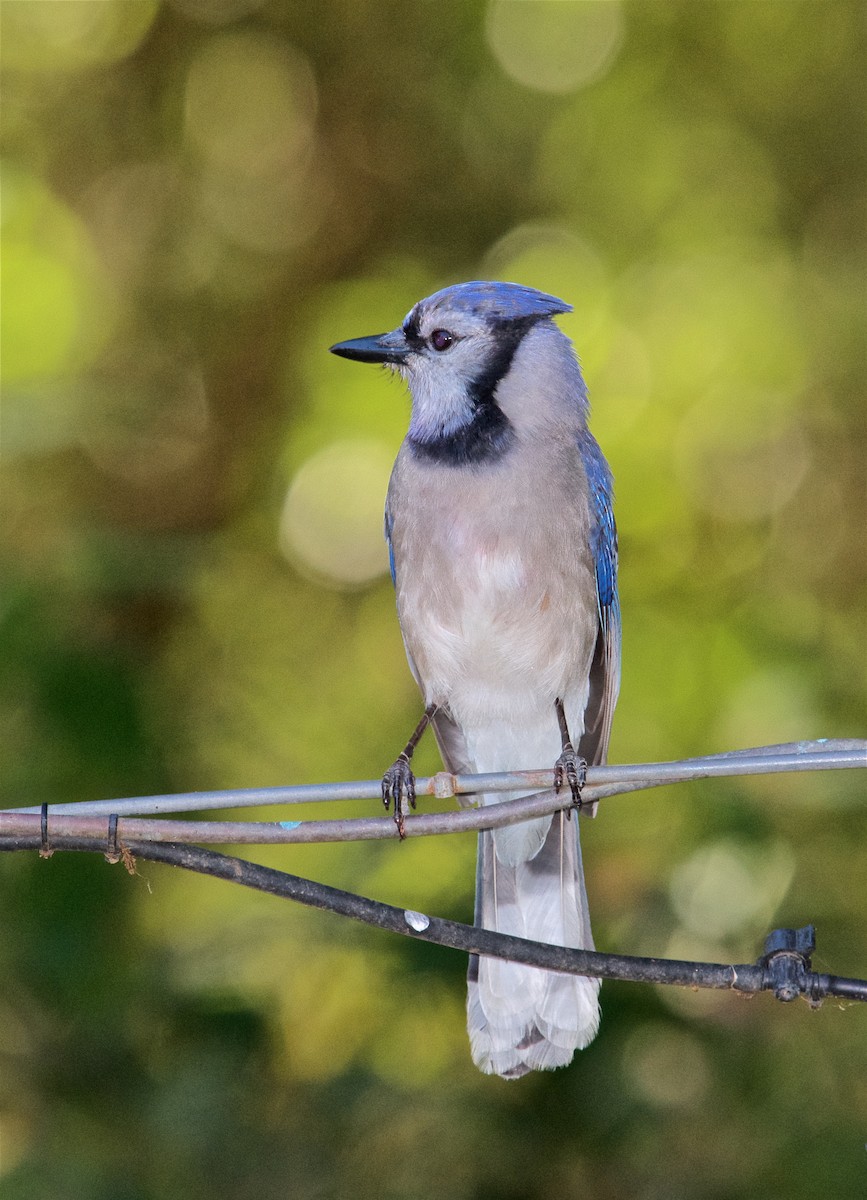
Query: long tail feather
point(522, 1018)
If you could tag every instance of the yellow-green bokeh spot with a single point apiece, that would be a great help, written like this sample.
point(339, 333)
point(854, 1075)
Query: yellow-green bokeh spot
point(72, 35)
point(40, 313)
point(56, 305)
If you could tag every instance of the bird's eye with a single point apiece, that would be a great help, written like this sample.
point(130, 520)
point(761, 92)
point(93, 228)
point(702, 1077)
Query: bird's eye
point(441, 339)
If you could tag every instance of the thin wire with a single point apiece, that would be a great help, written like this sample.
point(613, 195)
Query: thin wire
point(787, 975)
point(821, 754)
point(66, 821)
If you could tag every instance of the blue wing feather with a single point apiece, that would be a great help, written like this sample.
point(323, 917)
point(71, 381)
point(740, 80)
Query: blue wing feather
point(603, 533)
point(605, 673)
point(389, 525)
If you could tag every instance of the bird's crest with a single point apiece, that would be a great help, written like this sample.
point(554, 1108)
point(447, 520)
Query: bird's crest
point(502, 301)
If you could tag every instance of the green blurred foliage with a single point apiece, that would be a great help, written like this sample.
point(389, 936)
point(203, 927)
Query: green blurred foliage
point(199, 196)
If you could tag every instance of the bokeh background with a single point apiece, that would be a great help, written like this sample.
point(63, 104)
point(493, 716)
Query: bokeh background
point(199, 197)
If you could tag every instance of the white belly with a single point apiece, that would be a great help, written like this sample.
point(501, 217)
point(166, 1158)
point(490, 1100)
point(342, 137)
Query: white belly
point(496, 635)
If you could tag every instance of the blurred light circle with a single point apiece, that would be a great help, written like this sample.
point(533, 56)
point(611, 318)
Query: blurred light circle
point(73, 35)
point(249, 103)
point(332, 516)
point(727, 887)
point(271, 213)
point(667, 1067)
point(555, 259)
point(554, 47)
point(772, 705)
point(149, 415)
point(734, 471)
point(128, 210)
point(41, 319)
point(216, 12)
point(58, 308)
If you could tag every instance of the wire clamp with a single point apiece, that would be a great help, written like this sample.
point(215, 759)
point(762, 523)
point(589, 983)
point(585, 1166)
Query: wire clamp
point(787, 961)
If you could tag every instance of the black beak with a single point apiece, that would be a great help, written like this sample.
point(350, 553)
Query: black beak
point(381, 348)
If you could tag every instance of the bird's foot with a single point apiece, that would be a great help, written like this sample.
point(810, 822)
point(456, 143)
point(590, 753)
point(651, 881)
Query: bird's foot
point(398, 784)
point(571, 768)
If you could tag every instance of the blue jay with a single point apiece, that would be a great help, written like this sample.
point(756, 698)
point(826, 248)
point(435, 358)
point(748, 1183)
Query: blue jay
point(503, 551)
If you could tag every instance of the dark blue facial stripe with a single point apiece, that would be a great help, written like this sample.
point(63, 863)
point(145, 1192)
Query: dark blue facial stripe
point(508, 336)
point(411, 331)
point(488, 435)
point(484, 439)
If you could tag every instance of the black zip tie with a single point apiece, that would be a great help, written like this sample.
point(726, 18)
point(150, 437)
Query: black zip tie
point(45, 850)
point(112, 850)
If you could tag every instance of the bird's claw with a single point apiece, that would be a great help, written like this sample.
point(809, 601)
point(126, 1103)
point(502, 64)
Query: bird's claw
point(571, 768)
point(398, 783)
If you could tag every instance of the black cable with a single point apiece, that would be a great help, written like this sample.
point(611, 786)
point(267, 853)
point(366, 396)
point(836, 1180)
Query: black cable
point(783, 969)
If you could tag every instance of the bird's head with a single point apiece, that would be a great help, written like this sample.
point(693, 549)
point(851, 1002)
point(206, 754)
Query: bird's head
point(456, 349)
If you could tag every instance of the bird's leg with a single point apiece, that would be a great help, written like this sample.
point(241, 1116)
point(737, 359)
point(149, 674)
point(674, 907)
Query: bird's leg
point(570, 766)
point(399, 781)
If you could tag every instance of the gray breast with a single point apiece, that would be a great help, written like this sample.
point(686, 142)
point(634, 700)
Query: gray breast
point(495, 587)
